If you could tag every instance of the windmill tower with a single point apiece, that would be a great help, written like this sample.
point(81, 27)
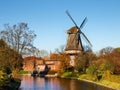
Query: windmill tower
point(74, 44)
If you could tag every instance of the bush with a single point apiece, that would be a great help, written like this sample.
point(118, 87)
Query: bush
point(1, 74)
point(7, 70)
point(106, 75)
point(68, 74)
point(106, 67)
point(83, 76)
point(92, 70)
point(4, 81)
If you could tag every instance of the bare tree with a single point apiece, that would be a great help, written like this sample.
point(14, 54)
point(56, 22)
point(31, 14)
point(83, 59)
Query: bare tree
point(18, 36)
point(60, 49)
point(43, 53)
point(106, 50)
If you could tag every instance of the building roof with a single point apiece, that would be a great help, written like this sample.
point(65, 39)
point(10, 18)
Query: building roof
point(33, 58)
point(73, 41)
point(72, 30)
point(52, 56)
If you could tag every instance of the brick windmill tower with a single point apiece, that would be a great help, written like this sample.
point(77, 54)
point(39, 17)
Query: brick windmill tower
point(74, 44)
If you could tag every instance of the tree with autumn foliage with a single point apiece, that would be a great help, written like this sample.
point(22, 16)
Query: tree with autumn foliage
point(9, 57)
point(115, 56)
point(64, 63)
point(109, 59)
point(83, 60)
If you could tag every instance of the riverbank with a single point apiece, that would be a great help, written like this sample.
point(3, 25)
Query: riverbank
point(55, 83)
point(102, 82)
point(82, 77)
point(9, 83)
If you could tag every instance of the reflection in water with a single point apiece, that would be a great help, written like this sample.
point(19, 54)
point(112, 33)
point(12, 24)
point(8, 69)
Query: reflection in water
point(37, 83)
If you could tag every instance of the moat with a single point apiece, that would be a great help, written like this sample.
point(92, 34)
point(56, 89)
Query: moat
point(36, 83)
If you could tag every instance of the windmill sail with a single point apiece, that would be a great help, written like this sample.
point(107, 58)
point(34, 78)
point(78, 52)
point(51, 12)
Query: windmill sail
point(83, 23)
point(74, 43)
point(71, 18)
point(74, 39)
point(86, 39)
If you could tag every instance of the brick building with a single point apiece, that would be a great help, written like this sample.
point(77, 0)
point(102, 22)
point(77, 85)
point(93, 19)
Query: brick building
point(31, 62)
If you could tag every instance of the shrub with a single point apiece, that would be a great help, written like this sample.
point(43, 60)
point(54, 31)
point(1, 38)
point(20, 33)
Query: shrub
point(1, 74)
point(92, 70)
point(106, 67)
point(83, 76)
point(68, 74)
point(106, 75)
point(7, 70)
point(92, 73)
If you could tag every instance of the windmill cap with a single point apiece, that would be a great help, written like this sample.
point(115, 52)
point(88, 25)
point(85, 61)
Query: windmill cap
point(72, 30)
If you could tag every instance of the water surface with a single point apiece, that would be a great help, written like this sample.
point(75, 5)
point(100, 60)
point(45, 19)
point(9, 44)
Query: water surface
point(37, 83)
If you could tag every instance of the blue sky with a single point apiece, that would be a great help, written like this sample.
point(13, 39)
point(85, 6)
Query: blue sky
point(49, 21)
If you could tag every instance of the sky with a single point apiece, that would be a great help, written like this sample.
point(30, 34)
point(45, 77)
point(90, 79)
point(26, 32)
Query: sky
point(49, 21)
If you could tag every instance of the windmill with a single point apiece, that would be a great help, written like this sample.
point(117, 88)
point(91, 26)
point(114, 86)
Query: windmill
point(74, 43)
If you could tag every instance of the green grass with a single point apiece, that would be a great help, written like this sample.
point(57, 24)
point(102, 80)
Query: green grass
point(69, 75)
point(24, 72)
point(112, 81)
point(110, 84)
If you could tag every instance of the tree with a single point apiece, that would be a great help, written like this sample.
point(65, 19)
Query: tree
point(115, 56)
point(64, 62)
point(83, 60)
point(90, 56)
point(110, 60)
point(18, 37)
point(106, 50)
point(116, 50)
point(9, 57)
point(60, 49)
point(43, 53)
point(80, 63)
